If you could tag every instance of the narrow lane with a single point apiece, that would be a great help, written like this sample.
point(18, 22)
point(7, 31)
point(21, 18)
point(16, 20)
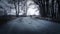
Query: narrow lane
point(29, 25)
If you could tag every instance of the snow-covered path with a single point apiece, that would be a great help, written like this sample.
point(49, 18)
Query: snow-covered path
point(28, 25)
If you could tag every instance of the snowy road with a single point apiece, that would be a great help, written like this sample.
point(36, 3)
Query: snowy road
point(28, 25)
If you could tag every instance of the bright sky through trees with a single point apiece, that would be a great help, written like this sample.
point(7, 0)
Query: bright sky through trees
point(32, 8)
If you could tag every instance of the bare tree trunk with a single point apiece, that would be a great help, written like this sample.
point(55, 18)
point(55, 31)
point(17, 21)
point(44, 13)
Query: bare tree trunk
point(52, 8)
point(58, 1)
point(25, 7)
point(15, 8)
point(18, 9)
point(43, 6)
point(47, 7)
point(40, 8)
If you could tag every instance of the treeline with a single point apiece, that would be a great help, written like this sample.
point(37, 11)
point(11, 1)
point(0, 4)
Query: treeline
point(49, 8)
point(10, 6)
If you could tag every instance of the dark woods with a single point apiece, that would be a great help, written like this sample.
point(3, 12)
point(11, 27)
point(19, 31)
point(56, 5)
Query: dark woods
point(49, 8)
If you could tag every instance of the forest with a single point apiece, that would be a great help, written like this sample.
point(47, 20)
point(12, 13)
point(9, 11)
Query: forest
point(45, 9)
point(49, 8)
